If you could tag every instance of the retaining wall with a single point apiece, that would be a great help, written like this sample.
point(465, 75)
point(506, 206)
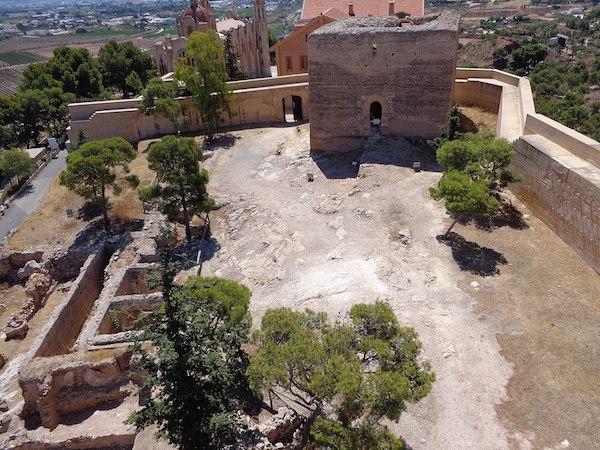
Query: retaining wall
point(560, 167)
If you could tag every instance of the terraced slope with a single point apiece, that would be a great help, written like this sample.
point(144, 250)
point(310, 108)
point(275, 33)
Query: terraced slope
point(10, 78)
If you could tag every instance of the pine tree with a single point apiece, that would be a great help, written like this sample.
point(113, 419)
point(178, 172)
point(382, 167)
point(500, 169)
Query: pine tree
point(195, 369)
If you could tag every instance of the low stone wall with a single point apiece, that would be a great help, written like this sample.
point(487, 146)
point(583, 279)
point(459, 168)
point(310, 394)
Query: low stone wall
point(65, 384)
point(68, 319)
point(254, 102)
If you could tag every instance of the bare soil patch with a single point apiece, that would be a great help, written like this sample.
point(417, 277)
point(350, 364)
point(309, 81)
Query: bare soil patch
point(506, 311)
point(61, 215)
point(546, 300)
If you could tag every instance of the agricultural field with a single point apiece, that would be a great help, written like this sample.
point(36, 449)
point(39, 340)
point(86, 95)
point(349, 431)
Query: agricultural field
point(16, 58)
point(10, 78)
point(113, 32)
point(170, 31)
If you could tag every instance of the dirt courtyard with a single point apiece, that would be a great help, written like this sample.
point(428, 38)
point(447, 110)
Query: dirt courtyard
point(507, 313)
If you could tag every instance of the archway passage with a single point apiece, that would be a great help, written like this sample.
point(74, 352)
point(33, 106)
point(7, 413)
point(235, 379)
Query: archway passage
point(297, 107)
point(375, 112)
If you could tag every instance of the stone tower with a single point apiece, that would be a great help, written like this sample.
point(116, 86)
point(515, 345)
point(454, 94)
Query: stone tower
point(367, 72)
point(262, 38)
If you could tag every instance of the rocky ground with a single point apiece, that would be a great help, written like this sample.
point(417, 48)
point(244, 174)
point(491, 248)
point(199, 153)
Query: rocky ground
point(506, 312)
point(486, 301)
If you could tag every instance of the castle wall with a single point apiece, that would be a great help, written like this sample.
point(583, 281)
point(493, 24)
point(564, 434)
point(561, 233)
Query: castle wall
point(408, 70)
point(560, 167)
point(253, 102)
point(563, 191)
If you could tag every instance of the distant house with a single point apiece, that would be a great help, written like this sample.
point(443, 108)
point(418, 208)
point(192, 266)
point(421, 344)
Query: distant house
point(291, 52)
point(558, 40)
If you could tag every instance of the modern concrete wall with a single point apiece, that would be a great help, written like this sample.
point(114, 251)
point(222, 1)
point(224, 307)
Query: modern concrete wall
point(477, 93)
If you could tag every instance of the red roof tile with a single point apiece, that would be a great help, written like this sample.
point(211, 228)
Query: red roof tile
point(362, 8)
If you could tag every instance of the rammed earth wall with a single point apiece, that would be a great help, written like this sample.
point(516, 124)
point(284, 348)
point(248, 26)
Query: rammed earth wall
point(407, 67)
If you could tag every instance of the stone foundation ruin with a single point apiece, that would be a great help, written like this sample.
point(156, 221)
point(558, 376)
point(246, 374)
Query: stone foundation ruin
point(80, 361)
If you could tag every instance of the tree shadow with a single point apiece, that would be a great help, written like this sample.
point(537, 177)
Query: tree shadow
point(93, 236)
point(24, 190)
point(337, 165)
point(221, 141)
point(402, 152)
point(187, 253)
point(471, 257)
point(88, 211)
point(507, 216)
point(78, 417)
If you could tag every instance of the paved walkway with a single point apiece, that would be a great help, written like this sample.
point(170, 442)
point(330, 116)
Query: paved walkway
point(509, 114)
point(31, 196)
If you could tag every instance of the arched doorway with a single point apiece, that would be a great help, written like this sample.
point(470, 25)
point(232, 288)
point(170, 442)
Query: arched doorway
point(375, 112)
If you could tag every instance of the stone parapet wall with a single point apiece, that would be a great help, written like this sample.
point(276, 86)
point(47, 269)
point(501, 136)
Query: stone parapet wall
point(560, 167)
point(580, 145)
point(477, 93)
point(254, 102)
point(83, 110)
point(563, 191)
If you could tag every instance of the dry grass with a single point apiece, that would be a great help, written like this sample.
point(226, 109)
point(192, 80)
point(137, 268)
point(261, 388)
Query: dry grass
point(49, 225)
point(127, 207)
point(139, 166)
point(480, 118)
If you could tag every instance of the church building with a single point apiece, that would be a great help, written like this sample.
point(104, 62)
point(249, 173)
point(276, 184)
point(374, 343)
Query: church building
point(249, 38)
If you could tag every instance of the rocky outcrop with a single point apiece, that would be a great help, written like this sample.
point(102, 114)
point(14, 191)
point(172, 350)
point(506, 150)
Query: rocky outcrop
point(38, 287)
point(10, 263)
